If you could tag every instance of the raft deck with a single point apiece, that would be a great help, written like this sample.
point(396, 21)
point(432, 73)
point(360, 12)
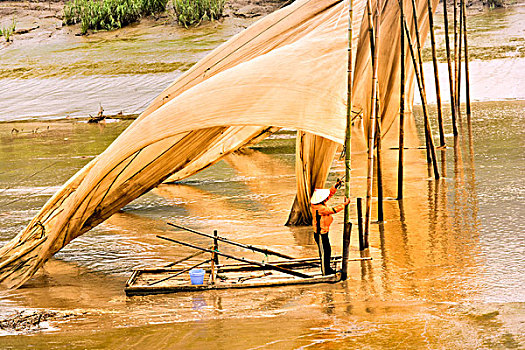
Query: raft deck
point(232, 276)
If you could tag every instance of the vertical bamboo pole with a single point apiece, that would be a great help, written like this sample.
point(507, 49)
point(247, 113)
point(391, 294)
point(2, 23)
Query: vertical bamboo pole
point(431, 150)
point(362, 243)
point(467, 77)
point(401, 157)
point(371, 131)
point(450, 72)
point(436, 74)
point(379, 170)
point(347, 229)
point(458, 81)
point(370, 27)
point(214, 259)
point(346, 250)
point(216, 246)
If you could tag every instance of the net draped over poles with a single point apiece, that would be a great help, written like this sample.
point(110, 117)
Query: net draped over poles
point(287, 70)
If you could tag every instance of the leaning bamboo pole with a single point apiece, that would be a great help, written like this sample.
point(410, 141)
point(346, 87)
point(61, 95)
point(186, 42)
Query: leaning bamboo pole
point(458, 112)
point(450, 72)
point(371, 128)
point(348, 131)
point(423, 99)
point(431, 150)
point(436, 74)
point(467, 77)
point(401, 156)
point(420, 60)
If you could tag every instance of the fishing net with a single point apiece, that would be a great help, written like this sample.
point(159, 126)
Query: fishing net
point(288, 70)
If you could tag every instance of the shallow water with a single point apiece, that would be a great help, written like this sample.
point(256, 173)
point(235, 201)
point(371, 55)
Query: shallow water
point(38, 76)
point(447, 263)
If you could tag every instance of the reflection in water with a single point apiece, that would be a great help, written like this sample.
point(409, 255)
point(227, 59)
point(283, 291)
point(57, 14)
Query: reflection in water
point(433, 260)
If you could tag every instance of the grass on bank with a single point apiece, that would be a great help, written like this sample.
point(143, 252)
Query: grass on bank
point(109, 14)
point(113, 14)
point(8, 31)
point(192, 12)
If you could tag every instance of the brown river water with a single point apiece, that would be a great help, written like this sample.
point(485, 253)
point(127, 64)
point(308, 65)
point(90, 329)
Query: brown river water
point(447, 268)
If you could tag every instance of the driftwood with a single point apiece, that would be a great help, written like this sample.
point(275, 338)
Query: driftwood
point(100, 116)
point(28, 320)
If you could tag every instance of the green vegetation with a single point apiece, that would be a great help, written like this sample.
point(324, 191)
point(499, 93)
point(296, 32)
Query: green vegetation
point(192, 12)
point(7, 32)
point(112, 14)
point(109, 14)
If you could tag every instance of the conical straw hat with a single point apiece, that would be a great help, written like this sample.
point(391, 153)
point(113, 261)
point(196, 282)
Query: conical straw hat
point(320, 194)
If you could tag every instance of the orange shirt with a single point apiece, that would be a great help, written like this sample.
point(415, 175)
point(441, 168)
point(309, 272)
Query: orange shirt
point(325, 212)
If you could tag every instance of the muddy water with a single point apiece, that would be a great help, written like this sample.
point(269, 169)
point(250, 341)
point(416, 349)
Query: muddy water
point(38, 75)
point(61, 75)
point(446, 269)
point(496, 44)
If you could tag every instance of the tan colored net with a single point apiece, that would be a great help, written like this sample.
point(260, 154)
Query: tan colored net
point(288, 70)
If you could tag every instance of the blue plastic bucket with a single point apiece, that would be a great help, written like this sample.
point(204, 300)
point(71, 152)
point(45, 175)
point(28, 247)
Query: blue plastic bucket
point(197, 276)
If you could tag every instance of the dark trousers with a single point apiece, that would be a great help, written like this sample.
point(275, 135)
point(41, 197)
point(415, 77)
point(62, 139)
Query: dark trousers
point(325, 252)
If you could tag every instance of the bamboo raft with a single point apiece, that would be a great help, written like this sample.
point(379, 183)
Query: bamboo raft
point(230, 276)
point(175, 277)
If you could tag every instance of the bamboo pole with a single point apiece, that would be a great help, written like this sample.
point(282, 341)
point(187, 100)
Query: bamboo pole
point(431, 150)
point(362, 243)
point(378, 136)
point(467, 78)
point(458, 81)
point(436, 74)
point(215, 246)
point(371, 129)
point(370, 25)
point(450, 72)
point(348, 131)
point(456, 56)
point(241, 259)
point(420, 60)
point(379, 169)
point(346, 250)
point(184, 259)
point(214, 257)
point(401, 157)
point(265, 251)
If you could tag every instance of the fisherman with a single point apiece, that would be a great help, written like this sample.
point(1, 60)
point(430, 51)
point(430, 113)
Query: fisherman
point(322, 218)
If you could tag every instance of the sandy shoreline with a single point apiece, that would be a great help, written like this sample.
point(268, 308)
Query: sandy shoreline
point(43, 19)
